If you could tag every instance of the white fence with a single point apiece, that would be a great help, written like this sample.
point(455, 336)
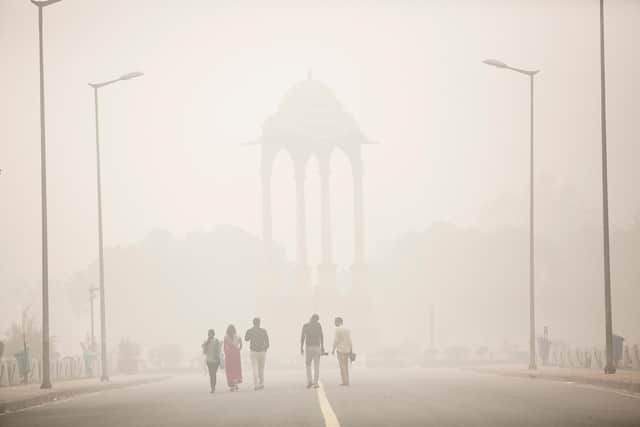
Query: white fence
point(593, 358)
point(60, 369)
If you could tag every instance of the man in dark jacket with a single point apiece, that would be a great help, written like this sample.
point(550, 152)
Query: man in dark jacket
point(312, 347)
point(258, 344)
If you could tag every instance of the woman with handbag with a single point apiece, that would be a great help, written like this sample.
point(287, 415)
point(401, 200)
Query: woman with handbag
point(211, 350)
point(233, 366)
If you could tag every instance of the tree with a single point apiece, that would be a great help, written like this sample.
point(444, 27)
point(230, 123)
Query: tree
point(24, 333)
point(128, 356)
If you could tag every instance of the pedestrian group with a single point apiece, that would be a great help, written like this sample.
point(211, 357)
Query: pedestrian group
point(311, 347)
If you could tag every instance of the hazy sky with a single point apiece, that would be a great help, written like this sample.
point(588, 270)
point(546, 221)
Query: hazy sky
point(452, 132)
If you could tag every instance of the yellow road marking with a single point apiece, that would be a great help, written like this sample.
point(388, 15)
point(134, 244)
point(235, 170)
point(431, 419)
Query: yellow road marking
point(330, 419)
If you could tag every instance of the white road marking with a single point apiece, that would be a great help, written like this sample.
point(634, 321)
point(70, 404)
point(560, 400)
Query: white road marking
point(625, 393)
point(330, 419)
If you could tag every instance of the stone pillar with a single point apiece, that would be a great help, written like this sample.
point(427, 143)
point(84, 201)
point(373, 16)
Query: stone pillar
point(326, 269)
point(358, 213)
point(268, 286)
point(267, 236)
point(361, 308)
point(303, 274)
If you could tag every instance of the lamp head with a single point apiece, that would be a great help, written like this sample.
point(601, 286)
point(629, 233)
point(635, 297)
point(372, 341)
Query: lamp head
point(495, 63)
point(130, 76)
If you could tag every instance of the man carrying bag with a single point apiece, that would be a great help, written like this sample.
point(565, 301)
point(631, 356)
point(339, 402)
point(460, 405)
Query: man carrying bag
point(342, 344)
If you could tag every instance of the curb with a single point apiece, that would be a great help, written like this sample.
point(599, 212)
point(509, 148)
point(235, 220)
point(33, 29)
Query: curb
point(618, 385)
point(52, 396)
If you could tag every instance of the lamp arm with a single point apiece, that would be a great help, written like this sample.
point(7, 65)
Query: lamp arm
point(44, 3)
point(99, 85)
point(521, 71)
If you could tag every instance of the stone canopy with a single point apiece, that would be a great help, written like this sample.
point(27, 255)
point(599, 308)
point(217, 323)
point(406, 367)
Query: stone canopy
point(310, 121)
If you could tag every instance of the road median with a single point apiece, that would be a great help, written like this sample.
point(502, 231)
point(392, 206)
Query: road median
point(20, 397)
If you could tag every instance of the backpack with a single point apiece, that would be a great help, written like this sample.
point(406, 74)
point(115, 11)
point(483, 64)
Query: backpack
point(217, 347)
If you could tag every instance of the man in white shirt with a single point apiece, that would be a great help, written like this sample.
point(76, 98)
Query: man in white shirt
point(342, 344)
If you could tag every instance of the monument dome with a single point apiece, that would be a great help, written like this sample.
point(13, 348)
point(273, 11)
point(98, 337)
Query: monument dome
point(311, 115)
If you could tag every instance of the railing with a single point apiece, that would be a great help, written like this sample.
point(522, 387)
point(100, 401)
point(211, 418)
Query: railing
point(593, 358)
point(61, 369)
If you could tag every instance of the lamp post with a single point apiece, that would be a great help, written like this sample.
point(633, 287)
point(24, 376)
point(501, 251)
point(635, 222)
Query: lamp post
point(103, 325)
point(610, 367)
point(92, 296)
point(46, 376)
point(532, 327)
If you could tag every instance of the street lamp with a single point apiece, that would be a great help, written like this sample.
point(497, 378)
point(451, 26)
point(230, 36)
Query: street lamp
point(610, 367)
point(103, 325)
point(532, 328)
point(46, 376)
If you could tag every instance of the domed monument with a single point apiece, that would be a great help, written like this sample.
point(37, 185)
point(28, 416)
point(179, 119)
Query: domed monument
point(310, 121)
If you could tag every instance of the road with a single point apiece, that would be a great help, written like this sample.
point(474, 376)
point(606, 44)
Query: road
point(383, 397)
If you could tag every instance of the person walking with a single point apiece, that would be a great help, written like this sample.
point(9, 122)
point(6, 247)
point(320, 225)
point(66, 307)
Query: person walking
point(312, 347)
point(342, 344)
point(232, 363)
point(258, 344)
point(211, 349)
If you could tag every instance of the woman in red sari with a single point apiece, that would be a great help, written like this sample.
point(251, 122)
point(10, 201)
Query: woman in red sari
point(233, 367)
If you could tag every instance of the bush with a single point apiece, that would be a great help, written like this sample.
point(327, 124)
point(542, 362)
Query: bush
point(166, 356)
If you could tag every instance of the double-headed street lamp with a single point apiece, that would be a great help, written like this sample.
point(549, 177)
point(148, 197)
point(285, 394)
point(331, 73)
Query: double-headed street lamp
point(46, 377)
point(103, 326)
point(532, 318)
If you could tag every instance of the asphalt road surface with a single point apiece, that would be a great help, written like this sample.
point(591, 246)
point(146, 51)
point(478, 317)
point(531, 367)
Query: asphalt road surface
point(381, 397)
